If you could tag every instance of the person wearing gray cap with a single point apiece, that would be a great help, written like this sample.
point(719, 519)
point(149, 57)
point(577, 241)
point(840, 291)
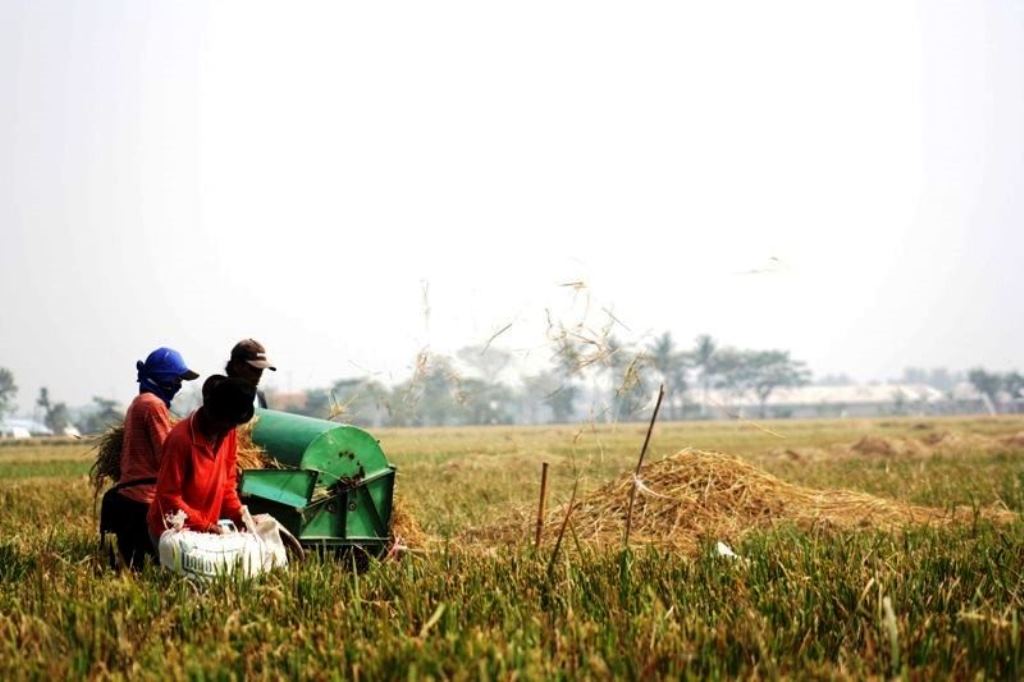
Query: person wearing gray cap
point(248, 361)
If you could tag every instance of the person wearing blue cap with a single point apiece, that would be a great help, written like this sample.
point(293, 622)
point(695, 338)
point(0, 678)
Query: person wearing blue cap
point(146, 425)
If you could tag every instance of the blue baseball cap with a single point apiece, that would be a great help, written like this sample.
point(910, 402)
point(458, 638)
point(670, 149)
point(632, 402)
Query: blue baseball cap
point(167, 363)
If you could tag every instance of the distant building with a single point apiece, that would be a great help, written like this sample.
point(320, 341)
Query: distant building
point(14, 427)
point(33, 427)
point(11, 431)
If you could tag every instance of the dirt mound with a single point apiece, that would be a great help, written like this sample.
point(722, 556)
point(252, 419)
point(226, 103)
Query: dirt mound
point(697, 495)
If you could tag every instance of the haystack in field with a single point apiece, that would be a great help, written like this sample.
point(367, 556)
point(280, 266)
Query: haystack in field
point(940, 443)
point(877, 446)
point(695, 495)
point(1015, 441)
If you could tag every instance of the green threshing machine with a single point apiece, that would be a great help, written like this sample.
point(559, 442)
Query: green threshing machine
point(337, 487)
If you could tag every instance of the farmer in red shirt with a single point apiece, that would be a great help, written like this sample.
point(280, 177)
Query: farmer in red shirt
point(146, 424)
point(197, 473)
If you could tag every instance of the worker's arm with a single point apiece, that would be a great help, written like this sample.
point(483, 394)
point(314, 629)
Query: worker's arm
point(174, 469)
point(231, 505)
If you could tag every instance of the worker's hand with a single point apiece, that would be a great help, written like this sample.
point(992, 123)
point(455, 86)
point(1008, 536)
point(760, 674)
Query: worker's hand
point(216, 529)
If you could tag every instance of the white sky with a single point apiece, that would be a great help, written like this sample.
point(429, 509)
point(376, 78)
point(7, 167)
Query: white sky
point(190, 174)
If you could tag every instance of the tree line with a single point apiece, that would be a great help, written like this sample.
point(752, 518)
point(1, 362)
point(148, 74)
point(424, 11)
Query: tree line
point(588, 378)
point(604, 379)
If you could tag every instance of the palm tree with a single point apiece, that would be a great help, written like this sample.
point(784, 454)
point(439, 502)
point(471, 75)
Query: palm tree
point(988, 385)
point(671, 365)
point(8, 389)
point(704, 361)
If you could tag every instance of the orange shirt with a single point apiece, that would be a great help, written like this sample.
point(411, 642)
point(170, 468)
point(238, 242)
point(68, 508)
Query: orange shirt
point(146, 425)
point(197, 477)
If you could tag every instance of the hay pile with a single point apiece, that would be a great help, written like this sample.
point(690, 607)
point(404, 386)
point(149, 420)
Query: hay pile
point(877, 446)
point(695, 495)
point(945, 443)
point(250, 455)
point(405, 529)
point(1015, 441)
point(802, 454)
point(955, 442)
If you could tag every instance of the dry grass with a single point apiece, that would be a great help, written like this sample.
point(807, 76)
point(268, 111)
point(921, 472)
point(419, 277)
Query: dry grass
point(250, 455)
point(695, 496)
point(804, 605)
point(1015, 441)
point(931, 444)
point(934, 443)
point(106, 469)
point(405, 529)
point(888, 447)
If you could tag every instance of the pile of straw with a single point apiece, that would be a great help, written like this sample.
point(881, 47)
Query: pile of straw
point(1015, 441)
point(943, 443)
point(250, 455)
point(888, 447)
point(695, 495)
point(405, 529)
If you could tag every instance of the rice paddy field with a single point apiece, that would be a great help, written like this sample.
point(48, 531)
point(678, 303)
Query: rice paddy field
point(865, 549)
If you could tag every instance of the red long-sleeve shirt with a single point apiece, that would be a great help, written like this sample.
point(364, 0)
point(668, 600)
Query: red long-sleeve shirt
point(197, 479)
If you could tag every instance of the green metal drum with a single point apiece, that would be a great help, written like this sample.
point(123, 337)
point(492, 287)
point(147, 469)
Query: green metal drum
point(336, 488)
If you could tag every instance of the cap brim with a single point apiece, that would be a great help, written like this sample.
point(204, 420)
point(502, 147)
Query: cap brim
point(189, 375)
point(262, 364)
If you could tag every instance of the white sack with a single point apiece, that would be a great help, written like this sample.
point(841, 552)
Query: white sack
point(205, 555)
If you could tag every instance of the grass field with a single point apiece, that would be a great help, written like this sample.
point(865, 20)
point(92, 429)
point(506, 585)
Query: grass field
point(920, 602)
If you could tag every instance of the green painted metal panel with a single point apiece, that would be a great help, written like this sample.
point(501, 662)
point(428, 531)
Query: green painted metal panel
point(287, 436)
point(291, 488)
point(323, 523)
point(289, 517)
